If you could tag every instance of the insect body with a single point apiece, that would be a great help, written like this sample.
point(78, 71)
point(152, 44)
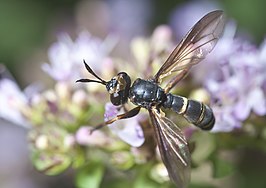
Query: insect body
point(148, 94)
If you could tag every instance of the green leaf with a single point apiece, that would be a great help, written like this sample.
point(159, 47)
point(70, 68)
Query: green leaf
point(143, 178)
point(221, 167)
point(205, 146)
point(78, 159)
point(91, 175)
point(203, 185)
point(122, 160)
point(117, 183)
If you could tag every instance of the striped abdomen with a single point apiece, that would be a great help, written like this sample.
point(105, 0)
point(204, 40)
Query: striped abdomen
point(195, 112)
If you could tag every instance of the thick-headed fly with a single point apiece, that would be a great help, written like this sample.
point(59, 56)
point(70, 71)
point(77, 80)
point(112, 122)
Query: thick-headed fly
point(194, 47)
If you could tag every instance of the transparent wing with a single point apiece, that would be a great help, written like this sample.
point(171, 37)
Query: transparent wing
point(173, 148)
point(194, 47)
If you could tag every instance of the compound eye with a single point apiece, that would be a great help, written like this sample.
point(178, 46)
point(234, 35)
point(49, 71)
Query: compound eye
point(118, 83)
point(114, 83)
point(121, 83)
point(111, 86)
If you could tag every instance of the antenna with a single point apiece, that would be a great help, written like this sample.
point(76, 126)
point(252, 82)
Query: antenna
point(101, 81)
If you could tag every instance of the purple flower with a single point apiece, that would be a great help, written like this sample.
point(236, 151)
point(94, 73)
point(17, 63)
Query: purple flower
point(236, 85)
point(129, 130)
point(225, 120)
point(234, 73)
point(12, 101)
point(66, 55)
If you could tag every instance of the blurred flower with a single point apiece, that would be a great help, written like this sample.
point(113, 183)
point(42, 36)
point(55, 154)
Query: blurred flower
point(159, 173)
point(149, 53)
point(236, 86)
point(12, 101)
point(232, 62)
point(161, 38)
point(129, 130)
point(59, 105)
point(67, 55)
point(52, 149)
point(56, 116)
point(97, 138)
point(135, 16)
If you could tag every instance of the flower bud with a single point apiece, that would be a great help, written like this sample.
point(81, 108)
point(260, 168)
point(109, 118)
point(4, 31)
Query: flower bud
point(161, 38)
point(63, 91)
point(159, 173)
point(80, 98)
point(51, 152)
point(200, 95)
point(41, 142)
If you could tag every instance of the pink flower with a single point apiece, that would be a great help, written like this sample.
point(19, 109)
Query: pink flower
point(129, 130)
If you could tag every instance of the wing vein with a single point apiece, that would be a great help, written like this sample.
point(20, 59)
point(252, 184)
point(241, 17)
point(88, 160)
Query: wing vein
point(198, 42)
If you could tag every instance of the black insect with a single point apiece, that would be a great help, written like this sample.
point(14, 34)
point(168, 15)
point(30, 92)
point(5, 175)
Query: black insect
point(173, 146)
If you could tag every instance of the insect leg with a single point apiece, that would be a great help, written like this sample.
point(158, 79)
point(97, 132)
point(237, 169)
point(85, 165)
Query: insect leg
point(126, 115)
point(123, 106)
point(174, 81)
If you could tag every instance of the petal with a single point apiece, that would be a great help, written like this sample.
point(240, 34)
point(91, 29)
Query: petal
point(225, 120)
point(84, 137)
point(111, 111)
point(66, 56)
point(257, 101)
point(263, 51)
point(128, 130)
point(242, 110)
point(12, 99)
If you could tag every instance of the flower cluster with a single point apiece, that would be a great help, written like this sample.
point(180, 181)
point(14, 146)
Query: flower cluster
point(56, 117)
point(60, 119)
point(66, 55)
point(237, 84)
point(233, 74)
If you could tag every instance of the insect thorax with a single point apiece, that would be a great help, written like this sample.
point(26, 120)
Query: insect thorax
point(146, 93)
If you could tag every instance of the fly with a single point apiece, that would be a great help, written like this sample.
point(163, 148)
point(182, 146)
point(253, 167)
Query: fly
point(148, 94)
